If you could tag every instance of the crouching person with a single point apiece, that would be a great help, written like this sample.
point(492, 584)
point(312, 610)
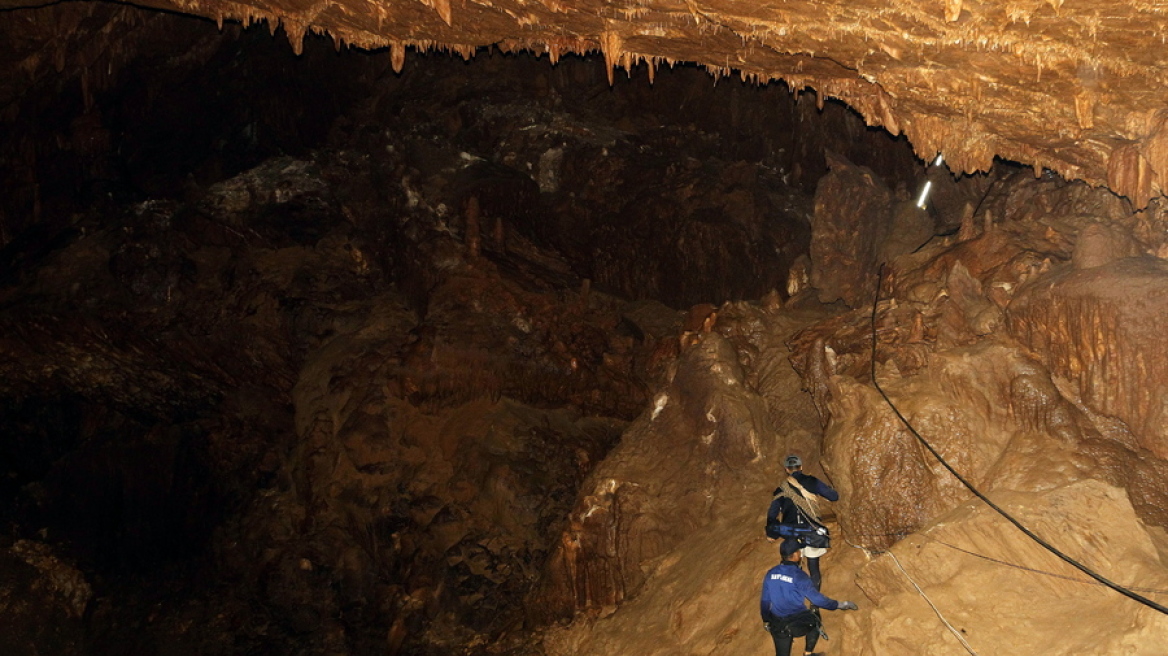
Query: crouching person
point(784, 589)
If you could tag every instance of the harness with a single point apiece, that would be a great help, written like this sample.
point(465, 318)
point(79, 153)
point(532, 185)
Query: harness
point(797, 625)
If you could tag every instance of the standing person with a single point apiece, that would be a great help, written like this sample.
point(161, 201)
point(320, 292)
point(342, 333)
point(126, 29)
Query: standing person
point(795, 504)
point(784, 615)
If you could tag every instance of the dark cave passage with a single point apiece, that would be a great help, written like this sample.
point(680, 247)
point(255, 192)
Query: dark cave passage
point(314, 356)
point(603, 174)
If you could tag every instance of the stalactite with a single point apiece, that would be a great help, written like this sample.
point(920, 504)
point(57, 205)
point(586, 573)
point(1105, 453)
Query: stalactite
point(444, 10)
point(1154, 146)
point(397, 55)
point(1085, 109)
point(952, 10)
point(888, 116)
point(611, 45)
point(295, 32)
point(1128, 174)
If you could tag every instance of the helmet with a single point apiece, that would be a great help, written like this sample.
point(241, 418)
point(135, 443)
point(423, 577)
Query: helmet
point(793, 462)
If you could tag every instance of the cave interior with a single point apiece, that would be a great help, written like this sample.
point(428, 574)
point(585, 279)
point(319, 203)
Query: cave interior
point(307, 348)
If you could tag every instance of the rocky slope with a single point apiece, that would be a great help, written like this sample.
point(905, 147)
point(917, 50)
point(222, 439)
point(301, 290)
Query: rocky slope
point(967, 354)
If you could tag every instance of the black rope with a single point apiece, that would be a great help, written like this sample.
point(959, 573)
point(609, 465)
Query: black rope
point(1030, 534)
point(1034, 570)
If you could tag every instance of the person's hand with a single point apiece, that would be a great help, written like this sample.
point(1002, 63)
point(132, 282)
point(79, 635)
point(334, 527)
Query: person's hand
point(848, 605)
point(767, 626)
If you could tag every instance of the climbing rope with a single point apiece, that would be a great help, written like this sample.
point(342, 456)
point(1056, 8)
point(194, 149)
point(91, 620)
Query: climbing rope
point(1127, 592)
point(1035, 570)
point(952, 629)
point(920, 591)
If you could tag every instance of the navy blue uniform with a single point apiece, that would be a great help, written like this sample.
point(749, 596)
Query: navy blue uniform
point(784, 588)
point(788, 513)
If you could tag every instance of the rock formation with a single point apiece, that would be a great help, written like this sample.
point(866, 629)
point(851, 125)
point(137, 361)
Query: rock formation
point(1062, 86)
point(319, 353)
point(972, 364)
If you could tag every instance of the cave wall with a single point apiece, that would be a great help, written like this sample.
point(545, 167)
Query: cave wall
point(933, 568)
point(95, 127)
point(327, 376)
point(388, 374)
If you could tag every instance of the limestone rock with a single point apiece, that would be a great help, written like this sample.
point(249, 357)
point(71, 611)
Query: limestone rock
point(851, 221)
point(1098, 245)
point(1019, 83)
point(706, 581)
point(1101, 328)
point(973, 555)
point(660, 486)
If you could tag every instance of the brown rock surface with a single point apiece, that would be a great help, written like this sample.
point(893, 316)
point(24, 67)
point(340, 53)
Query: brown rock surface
point(388, 396)
point(1102, 328)
point(991, 407)
point(661, 484)
point(42, 600)
point(719, 452)
point(986, 579)
point(853, 212)
point(858, 225)
point(1067, 87)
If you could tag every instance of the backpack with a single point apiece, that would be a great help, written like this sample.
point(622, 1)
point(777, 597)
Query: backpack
point(812, 535)
point(808, 536)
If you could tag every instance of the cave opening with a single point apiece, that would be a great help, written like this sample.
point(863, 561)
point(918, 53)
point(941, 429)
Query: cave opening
point(303, 353)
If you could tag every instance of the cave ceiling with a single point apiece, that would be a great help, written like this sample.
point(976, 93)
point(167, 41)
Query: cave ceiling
point(1073, 86)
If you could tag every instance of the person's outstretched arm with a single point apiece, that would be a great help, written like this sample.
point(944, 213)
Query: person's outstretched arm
point(807, 589)
point(816, 486)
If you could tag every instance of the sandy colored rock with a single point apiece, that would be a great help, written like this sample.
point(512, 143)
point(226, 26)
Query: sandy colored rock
point(1101, 327)
point(400, 361)
point(849, 227)
point(659, 486)
point(985, 578)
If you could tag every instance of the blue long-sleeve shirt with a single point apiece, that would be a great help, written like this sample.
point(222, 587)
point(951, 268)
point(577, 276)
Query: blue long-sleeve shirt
point(786, 511)
point(784, 588)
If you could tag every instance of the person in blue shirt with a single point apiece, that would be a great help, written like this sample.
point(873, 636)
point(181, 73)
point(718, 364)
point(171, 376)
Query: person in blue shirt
point(784, 614)
point(795, 503)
